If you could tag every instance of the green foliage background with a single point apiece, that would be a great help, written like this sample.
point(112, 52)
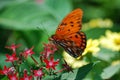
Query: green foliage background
point(32, 22)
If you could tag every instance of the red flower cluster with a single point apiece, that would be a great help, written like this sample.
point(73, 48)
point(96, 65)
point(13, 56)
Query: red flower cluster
point(51, 63)
point(5, 71)
point(13, 76)
point(38, 73)
point(13, 47)
point(28, 52)
point(26, 77)
point(48, 50)
point(47, 64)
point(11, 58)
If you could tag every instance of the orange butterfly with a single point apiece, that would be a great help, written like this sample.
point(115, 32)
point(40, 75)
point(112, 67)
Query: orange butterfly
point(69, 36)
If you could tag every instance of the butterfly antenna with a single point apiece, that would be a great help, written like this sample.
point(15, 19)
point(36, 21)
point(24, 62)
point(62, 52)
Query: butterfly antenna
point(44, 30)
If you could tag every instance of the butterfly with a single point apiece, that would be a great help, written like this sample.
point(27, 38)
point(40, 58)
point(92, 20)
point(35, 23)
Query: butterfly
point(68, 34)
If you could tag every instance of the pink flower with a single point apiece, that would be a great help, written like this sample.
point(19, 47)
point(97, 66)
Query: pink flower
point(13, 77)
point(7, 71)
point(13, 47)
point(26, 77)
point(4, 71)
point(38, 73)
point(50, 45)
point(28, 52)
point(11, 58)
point(48, 49)
point(51, 63)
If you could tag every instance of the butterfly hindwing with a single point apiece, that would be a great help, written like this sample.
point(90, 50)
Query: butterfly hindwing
point(74, 44)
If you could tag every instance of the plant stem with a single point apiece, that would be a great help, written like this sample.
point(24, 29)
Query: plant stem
point(13, 65)
point(61, 70)
point(34, 60)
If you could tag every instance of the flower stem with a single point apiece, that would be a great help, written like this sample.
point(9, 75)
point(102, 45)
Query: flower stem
point(37, 78)
point(60, 70)
point(13, 65)
point(34, 60)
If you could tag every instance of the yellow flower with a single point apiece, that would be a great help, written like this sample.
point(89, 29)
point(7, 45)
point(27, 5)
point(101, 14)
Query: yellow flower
point(92, 47)
point(73, 62)
point(106, 23)
point(116, 62)
point(111, 40)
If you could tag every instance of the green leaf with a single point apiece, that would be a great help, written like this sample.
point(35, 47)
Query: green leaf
point(5, 3)
point(109, 71)
point(26, 16)
point(83, 71)
point(96, 12)
point(2, 60)
point(106, 54)
point(4, 78)
point(69, 76)
point(24, 66)
point(78, 74)
point(99, 31)
point(30, 15)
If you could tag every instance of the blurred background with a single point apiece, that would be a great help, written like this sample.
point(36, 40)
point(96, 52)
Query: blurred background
point(32, 22)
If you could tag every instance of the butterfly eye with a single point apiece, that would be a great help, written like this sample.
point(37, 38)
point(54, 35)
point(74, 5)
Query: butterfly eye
point(59, 29)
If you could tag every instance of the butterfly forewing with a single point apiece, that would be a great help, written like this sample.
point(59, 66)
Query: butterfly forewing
point(70, 24)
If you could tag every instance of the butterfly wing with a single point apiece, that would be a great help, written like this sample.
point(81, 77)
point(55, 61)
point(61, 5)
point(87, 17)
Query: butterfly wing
point(70, 24)
point(74, 44)
point(68, 34)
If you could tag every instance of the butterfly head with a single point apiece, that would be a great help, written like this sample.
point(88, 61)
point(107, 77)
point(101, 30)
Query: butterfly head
point(53, 39)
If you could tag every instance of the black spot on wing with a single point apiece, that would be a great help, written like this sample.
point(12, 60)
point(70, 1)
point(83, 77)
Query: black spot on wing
point(78, 22)
point(59, 29)
point(71, 22)
point(68, 29)
point(76, 36)
point(71, 25)
point(71, 37)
